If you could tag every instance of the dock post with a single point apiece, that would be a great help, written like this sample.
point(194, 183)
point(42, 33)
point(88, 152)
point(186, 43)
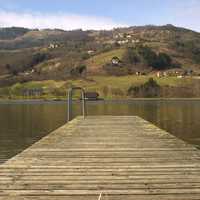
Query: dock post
point(69, 105)
point(70, 101)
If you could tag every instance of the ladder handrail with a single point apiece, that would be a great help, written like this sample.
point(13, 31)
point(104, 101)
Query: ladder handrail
point(70, 100)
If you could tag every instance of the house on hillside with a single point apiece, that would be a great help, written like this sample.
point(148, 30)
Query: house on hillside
point(90, 52)
point(115, 61)
point(135, 41)
point(121, 42)
point(161, 74)
point(53, 46)
point(138, 73)
point(26, 73)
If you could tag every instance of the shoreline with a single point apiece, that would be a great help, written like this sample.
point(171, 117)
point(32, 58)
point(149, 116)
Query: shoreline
point(34, 101)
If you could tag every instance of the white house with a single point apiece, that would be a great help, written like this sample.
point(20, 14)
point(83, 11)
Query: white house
point(115, 61)
point(53, 46)
point(122, 42)
point(90, 52)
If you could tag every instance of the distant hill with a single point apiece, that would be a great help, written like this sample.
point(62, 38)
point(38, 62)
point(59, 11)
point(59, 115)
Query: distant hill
point(18, 38)
point(56, 54)
point(12, 33)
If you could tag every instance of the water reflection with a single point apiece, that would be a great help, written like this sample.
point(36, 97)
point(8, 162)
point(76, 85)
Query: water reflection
point(23, 124)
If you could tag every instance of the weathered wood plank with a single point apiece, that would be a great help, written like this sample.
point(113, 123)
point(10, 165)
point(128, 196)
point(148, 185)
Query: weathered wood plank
point(122, 157)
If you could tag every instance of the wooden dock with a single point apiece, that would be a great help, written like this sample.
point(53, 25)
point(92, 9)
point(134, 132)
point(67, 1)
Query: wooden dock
point(104, 158)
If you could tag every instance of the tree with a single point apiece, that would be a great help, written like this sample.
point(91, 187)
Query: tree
point(162, 61)
point(196, 54)
point(131, 56)
point(15, 72)
point(148, 55)
point(81, 69)
point(38, 58)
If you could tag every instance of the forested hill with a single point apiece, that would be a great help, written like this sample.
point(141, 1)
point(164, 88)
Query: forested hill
point(27, 54)
point(12, 33)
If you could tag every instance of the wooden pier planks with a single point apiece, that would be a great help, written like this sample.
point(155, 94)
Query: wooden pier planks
point(121, 157)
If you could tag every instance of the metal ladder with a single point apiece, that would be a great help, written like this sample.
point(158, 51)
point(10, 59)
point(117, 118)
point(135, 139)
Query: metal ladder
point(70, 101)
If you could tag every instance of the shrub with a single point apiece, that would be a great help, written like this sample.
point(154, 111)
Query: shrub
point(85, 56)
point(79, 70)
point(117, 92)
point(149, 89)
point(105, 91)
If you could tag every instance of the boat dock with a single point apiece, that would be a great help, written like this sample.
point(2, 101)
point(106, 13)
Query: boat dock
point(104, 158)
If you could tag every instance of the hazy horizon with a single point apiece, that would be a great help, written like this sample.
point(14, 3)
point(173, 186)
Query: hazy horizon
point(131, 26)
point(98, 15)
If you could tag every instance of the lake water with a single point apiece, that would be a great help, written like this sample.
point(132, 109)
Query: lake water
point(23, 123)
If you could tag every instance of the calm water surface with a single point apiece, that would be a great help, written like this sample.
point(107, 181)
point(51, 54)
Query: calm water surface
point(22, 124)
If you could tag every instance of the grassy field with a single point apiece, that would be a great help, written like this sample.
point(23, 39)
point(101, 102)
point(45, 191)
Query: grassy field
point(95, 63)
point(109, 87)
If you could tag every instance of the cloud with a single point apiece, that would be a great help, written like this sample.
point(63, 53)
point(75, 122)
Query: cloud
point(58, 20)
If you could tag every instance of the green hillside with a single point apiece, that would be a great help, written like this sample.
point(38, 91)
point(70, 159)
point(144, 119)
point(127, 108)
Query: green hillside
point(42, 55)
point(95, 63)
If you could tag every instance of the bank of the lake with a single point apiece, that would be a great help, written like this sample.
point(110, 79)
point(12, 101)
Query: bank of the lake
point(108, 87)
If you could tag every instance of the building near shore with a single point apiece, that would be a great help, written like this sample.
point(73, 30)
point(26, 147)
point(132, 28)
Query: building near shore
point(93, 96)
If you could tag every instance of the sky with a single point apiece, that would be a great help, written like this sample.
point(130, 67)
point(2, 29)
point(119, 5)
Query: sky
point(99, 14)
